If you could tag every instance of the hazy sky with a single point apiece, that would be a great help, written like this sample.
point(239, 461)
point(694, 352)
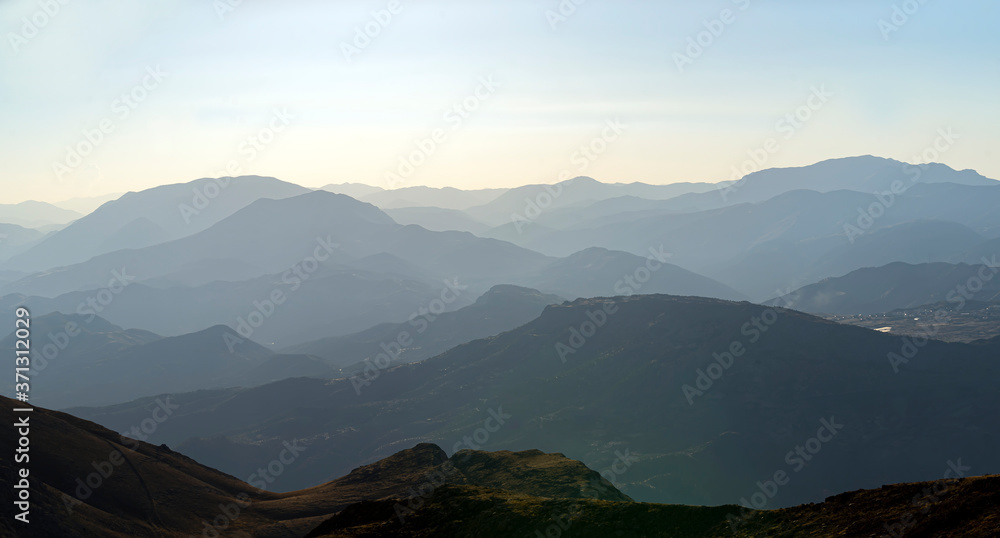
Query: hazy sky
point(227, 74)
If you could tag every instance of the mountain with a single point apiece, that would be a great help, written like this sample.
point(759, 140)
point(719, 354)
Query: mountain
point(222, 358)
point(866, 174)
point(598, 272)
point(589, 214)
point(987, 250)
point(530, 201)
point(388, 264)
point(707, 396)
point(726, 231)
point(797, 237)
point(277, 310)
point(87, 205)
point(812, 259)
point(139, 219)
point(420, 196)
point(91, 339)
point(897, 286)
point(15, 239)
point(354, 190)
point(416, 196)
point(502, 308)
point(279, 235)
point(438, 219)
point(584, 215)
point(85, 361)
point(139, 233)
point(32, 214)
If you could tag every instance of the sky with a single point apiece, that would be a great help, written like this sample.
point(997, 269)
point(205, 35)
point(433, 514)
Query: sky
point(111, 96)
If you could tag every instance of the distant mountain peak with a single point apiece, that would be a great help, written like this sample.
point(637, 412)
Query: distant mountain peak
point(508, 292)
point(580, 180)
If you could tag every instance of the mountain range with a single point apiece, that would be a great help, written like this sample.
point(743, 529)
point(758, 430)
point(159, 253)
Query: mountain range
point(140, 219)
point(87, 361)
point(676, 381)
point(579, 358)
point(502, 308)
point(32, 214)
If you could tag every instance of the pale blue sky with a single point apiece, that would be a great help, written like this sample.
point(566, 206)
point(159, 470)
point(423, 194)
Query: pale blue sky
point(352, 120)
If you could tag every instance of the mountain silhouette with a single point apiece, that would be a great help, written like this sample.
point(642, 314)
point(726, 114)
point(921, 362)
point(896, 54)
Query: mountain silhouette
point(165, 212)
point(714, 431)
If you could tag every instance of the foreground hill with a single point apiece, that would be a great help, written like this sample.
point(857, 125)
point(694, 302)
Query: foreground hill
point(89, 481)
point(150, 490)
point(657, 378)
point(955, 507)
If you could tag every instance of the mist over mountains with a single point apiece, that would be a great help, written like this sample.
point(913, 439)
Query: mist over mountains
point(500, 269)
point(139, 219)
point(672, 348)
